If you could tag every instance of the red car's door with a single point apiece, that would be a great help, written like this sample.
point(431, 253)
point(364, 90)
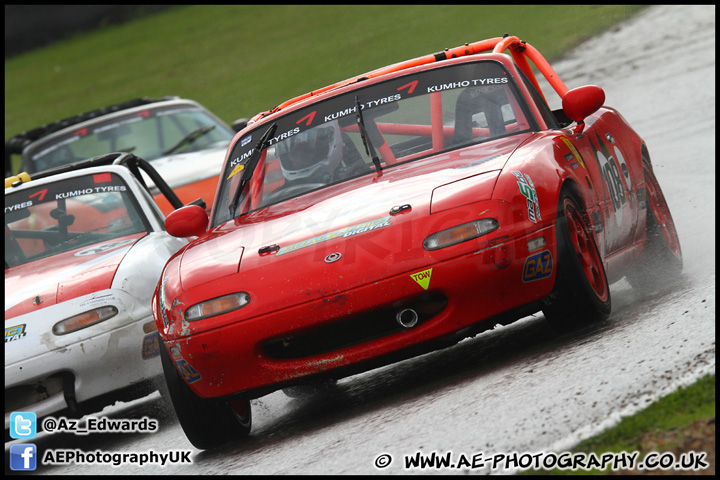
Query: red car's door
point(608, 165)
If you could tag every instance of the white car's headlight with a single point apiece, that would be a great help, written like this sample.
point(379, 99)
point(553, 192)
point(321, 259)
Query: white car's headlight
point(217, 306)
point(460, 233)
point(78, 322)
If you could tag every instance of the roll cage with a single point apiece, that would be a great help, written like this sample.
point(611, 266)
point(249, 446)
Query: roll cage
point(441, 134)
point(522, 53)
point(402, 117)
point(134, 163)
point(16, 144)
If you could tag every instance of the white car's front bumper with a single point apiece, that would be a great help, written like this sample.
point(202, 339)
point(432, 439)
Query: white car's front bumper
point(43, 370)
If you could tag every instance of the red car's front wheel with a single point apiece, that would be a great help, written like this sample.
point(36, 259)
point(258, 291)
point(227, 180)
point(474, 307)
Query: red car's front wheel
point(581, 294)
point(207, 423)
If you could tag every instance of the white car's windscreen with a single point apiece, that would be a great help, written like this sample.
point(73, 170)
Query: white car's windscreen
point(68, 215)
point(150, 134)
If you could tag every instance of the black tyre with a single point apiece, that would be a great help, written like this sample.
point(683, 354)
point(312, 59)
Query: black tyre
point(581, 294)
point(207, 423)
point(662, 260)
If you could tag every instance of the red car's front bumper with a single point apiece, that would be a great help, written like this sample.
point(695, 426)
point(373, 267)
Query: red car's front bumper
point(357, 329)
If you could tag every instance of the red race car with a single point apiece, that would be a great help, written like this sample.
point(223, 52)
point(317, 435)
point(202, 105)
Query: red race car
point(398, 212)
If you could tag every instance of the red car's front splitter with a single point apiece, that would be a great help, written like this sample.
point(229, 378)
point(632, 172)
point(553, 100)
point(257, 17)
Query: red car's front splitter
point(359, 328)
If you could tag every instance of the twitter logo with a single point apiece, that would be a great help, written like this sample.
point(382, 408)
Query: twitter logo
point(23, 425)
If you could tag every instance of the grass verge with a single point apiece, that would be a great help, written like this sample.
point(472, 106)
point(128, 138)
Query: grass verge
point(239, 60)
point(679, 423)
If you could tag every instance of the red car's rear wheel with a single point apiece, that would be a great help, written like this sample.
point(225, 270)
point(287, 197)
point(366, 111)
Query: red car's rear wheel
point(662, 260)
point(581, 294)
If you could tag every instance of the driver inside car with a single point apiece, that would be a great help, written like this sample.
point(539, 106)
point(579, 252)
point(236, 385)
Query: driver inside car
point(320, 156)
point(311, 156)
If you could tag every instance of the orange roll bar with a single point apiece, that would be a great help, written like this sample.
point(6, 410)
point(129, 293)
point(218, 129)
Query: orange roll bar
point(438, 137)
point(520, 51)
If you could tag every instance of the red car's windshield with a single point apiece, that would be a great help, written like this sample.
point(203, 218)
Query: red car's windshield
point(400, 120)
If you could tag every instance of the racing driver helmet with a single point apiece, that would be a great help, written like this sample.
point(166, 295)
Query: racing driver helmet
point(312, 155)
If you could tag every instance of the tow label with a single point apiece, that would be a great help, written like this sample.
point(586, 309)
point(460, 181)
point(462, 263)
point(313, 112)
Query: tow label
point(422, 278)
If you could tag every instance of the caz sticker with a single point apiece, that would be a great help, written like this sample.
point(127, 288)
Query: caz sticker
point(528, 191)
point(151, 346)
point(187, 372)
point(422, 278)
point(538, 266)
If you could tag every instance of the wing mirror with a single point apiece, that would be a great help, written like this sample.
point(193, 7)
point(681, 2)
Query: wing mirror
point(188, 221)
point(579, 103)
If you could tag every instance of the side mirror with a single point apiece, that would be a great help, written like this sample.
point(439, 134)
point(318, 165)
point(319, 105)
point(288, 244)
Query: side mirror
point(188, 221)
point(579, 103)
point(239, 124)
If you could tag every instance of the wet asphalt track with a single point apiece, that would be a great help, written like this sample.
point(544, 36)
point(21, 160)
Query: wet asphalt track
point(520, 388)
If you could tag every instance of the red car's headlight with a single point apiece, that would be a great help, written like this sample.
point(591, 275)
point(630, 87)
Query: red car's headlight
point(217, 306)
point(460, 233)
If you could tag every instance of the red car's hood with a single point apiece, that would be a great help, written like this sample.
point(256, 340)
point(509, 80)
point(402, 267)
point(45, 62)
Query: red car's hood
point(62, 277)
point(324, 221)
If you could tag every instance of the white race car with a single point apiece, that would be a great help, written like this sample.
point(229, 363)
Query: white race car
point(185, 142)
point(83, 253)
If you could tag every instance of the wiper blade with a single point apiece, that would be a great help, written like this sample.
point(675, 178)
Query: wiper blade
point(250, 166)
point(369, 148)
point(189, 138)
